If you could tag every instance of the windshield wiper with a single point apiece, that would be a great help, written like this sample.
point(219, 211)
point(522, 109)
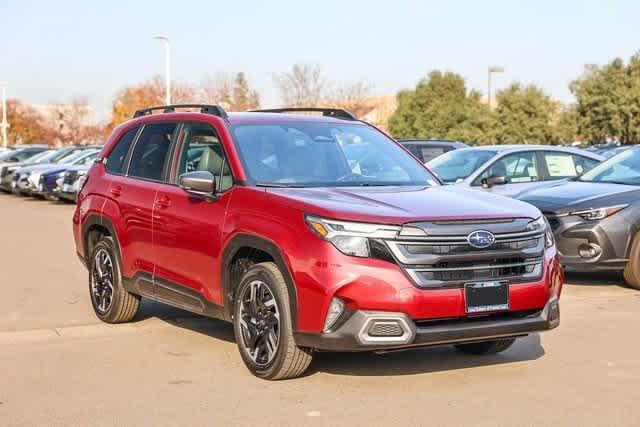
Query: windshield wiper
point(278, 185)
point(617, 182)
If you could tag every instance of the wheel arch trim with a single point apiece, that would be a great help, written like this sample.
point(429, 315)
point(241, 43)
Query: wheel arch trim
point(103, 222)
point(243, 240)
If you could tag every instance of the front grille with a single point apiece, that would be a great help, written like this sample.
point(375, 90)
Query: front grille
point(70, 177)
point(442, 256)
point(464, 248)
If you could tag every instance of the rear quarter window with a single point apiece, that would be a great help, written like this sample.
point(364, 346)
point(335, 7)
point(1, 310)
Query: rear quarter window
point(116, 160)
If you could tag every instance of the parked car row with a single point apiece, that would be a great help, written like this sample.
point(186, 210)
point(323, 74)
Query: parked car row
point(45, 173)
point(592, 206)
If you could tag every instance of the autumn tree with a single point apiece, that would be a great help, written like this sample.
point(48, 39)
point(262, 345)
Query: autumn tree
point(440, 106)
point(27, 124)
point(244, 98)
point(608, 101)
point(147, 94)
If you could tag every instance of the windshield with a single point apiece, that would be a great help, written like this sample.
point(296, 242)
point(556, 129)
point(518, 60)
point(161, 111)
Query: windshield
point(5, 155)
point(459, 164)
point(73, 157)
point(40, 157)
point(325, 154)
point(621, 169)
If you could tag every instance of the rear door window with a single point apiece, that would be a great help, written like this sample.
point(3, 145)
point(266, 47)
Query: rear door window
point(566, 165)
point(151, 153)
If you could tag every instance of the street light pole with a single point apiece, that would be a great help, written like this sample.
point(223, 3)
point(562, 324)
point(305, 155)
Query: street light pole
point(4, 125)
point(491, 71)
point(167, 70)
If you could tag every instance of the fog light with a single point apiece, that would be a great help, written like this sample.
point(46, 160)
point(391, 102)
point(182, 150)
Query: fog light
point(588, 251)
point(335, 310)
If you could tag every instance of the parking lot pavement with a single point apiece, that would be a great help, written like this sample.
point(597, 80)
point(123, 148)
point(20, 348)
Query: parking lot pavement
point(60, 366)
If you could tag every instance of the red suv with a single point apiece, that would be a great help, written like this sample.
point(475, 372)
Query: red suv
point(308, 232)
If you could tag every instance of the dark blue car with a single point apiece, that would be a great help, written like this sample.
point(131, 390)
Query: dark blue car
point(47, 182)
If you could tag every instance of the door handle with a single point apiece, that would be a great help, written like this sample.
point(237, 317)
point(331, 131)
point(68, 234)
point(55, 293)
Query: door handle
point(116, 191)
point(163, 202)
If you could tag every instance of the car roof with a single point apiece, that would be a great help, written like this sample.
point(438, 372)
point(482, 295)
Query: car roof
point(447, 142)
point(501, 149)
point(268, 118)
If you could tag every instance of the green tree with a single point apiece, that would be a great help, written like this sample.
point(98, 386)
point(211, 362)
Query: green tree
point(608, 101)
point(441, 107)
point(565, 123)
point(524, 116)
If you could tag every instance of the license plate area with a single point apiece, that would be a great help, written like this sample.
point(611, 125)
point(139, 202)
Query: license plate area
point(482, 297)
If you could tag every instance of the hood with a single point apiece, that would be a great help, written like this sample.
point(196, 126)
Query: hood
point(38, 167)
point(399, 205)
point(18, 164)
point(565, 196)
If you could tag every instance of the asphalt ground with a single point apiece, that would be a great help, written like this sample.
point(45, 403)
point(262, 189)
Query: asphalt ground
point(60, 366)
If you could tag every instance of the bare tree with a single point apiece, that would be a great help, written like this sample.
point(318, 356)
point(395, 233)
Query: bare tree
point(233, 93)
point(303, 86)
point(353, 96)
point(217, 89)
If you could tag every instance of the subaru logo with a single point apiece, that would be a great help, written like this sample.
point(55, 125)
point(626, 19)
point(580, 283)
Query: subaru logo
point(481, 239)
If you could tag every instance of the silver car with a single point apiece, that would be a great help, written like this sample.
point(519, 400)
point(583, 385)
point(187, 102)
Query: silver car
point(510, 170)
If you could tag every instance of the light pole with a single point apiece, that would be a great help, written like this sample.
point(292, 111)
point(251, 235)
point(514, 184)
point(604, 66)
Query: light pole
point(4, 125)
point(491, 71)
point(167, 70)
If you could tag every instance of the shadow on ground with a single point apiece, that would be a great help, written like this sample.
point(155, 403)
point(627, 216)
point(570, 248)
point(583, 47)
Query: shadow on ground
point(420, 361)
point(593, 278)
point(410, 362)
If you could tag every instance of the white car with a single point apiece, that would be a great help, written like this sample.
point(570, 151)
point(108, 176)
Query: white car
point(510, 170)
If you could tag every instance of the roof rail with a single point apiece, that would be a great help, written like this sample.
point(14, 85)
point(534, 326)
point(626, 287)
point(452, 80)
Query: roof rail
point(216, 110)
point(337, 113)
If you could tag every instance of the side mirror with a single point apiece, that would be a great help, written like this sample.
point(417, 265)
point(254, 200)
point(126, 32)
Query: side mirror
point(202, 183)
point(494, 180)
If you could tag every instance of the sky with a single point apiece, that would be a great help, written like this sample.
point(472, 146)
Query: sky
point(52, 51)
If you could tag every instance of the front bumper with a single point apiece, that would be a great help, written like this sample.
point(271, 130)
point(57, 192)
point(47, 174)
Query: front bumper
point(353, 334)
point(608, 239)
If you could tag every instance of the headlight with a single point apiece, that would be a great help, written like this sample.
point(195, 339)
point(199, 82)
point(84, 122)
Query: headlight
point(541, 224)
point(350, 238)
point(598, 213)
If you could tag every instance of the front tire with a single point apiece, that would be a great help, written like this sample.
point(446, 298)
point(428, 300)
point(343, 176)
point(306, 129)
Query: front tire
point(262, 325)
point(486, 347)
point(631, 272)
point(111, 302)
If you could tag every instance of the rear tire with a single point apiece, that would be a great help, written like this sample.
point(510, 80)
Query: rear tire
point(631, 272)
point(486, 347)
point(265, 324)
point(111, 302)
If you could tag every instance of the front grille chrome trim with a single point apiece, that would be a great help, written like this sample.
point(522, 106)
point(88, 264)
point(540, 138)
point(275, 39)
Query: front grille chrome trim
point(442, 256)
